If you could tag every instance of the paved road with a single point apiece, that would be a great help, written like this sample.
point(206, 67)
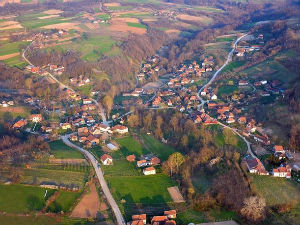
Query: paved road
point(62, 85)
point(93, 160)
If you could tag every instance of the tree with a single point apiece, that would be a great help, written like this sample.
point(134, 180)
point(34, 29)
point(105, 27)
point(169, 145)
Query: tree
point(108, 103)
point(229, 137)
point(174, 122)
point(133, 120)
point(147, 121)
point(254, 208)
point(174, 161)
point(28, 83)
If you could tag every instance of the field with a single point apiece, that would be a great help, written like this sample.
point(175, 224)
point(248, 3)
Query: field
point(62, 151)
point(14, 112)
point(227, 90)
point(285, 192)
point(37, 176)
point(131, 146)
point(64, 201)
point(121, 167)
point(141, 189)
point(40, 220)
point(13, 47)
point(22, 199)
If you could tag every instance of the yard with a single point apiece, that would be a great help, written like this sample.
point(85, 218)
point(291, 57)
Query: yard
point(62, 151)
point(121, 167)
point(64, 201)
point(141, 189)
point(22, 199)
point(128, 146)
point(276, 190)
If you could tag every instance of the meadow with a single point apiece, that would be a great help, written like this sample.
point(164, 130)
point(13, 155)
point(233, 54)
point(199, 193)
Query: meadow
point(64, 201)
point(22, 199)
point(62, 151)
point(122, 167)
point(12, 47)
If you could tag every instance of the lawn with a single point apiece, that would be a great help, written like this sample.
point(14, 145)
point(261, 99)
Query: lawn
point(191, 216)
point(151, 189)
point(227, 90)
point(232, 65)
point(276, 190)
point(131, 146)
point(64, 201)
point(40, 220)
point(209, 9)
point(18, 198)
point(13, 47)
point(103, 16)
point(62, 151)
point(154, 146)
point(121, 167)
point(138, 25)
point(58, 177)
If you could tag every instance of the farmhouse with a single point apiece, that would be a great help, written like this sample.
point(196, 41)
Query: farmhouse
point(106, 159)
point(142, 163)
point(141, 217)
point(149, 171)
point(243, 82)
point(171, 214)
point(36, 118)
point(283, 171)
point(255, 166)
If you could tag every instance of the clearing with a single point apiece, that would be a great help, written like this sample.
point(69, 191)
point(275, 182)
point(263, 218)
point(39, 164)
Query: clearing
point(62, 151)
point(175, 194)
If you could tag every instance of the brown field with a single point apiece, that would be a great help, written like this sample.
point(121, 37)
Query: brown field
point(112, 4)
point(203, 19)
point(48, 17)
point(120, 25)
point(149, 20)
point(89, 205)
point(7, 25)
point(3, 57)
point(65, 26)
point(172, 31)
point(92, 26)
point(131, 20)
point(53, 11)
point(116, 14)
point(175, 194)
point(13, 109)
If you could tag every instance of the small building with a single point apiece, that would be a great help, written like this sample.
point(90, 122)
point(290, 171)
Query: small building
point(159, 220)
point(242, 120)
point(120, 129)
point(171, 214)
point(142, 163)
point(140, 217)
point(106, 159)
point(155, 161)
point(19, 124)
point(149, 171)
point(36, 118)
point(131, 158)
point(65, 126)
point(243, 83)
point(112, 146)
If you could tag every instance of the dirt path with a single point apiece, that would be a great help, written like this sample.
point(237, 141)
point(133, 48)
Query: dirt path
point(89, 205)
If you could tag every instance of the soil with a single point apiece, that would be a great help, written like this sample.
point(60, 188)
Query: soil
point(175, 194)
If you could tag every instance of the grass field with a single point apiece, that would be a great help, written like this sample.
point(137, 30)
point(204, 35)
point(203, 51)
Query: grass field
point(115, 8)
point(141, 189)
point(21, 199)
point(121, 167)
point(135, 15)
point(232, 65)
point(30, 21)
point(136, 25)
point(225, 39)
point(62, 151)
point(14, 112)
point(131, 146)
point(227, 90)
point(40, 220)
point(276, 190)
point(15, 61)
point(209, 9)
point(13, 47)
point(64, 201)
point(37, 176)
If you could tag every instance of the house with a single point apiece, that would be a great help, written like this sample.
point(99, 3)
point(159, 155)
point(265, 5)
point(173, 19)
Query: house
point(214, 97)
point(142, 163)
point(255, 165)
point(119, 129)
point(19, 124)
point(130, 158)
point(282, 171)
point(263, 139)
point(87, 101)
point(83, 131)
point(278, 149)
point(137, 222)
point(171, 214)
point(65, 126)
point(140, 217)
point(230, 120)
point(159, 220)
point(36, 118)
point(242, 120)
point(73, 138)
point(104, 128)
point(155, 161)
point(149, 171)
point(112, 146)
point(93, 140)
point(106, 159)
point(243, 83)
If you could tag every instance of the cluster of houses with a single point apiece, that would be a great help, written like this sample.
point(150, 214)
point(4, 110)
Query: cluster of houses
point(80, 81)
point(35, 118)
point(255, 45)
point(166, 219)
point(255, 166)
point(6, 103)
point(148, 162)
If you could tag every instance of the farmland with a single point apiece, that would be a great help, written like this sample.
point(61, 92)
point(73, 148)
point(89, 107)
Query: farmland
point(63, 202)
point(62, 151)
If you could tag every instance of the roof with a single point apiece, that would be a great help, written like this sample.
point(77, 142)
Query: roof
point(139, 217)
point(105, 157)
point(119, 127)
point(159, 219)
point(170, 212)
point(137, 222)
point(278, 148)
point(149, 169)
point(170, 222)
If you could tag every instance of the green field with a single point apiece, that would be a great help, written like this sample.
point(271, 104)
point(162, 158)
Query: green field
point(37, 176)
point(15, 61)
point(131, 146)
point(138, 25)
point(232, 65)
point(62, 151)
point(40, 220)
point(13, 47)
point(64, 201)
point(122, 167)
point(138, 15)
point(276, 190)
point(209, 9)
point(21, 199)
point(225, 39)
point(103, 16)
point(113, 8)
point(227, 89)
point(150, 189)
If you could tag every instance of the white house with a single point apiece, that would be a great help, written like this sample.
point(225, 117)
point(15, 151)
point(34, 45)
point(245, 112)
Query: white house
point(282, 172)
point(214, 97)
point(149, 171)
point(120, 129)
point(106, 159)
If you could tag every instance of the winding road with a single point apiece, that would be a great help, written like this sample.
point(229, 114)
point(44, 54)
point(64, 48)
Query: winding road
point(99, 173)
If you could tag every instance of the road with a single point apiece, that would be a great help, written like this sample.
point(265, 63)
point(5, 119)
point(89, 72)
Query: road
point(99, 173)
point(62, 85)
